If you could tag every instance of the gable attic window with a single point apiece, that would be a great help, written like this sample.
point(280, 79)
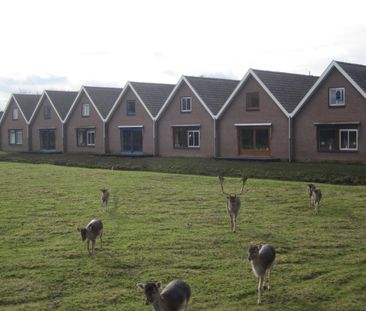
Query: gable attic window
point(337, 96)
point(186, 104)
point(47, 112)
point(252, 101)
point(85, 110)
point(131, 108)
point(15, 114)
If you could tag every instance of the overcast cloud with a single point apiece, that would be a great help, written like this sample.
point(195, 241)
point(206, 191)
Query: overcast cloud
point(66, 44)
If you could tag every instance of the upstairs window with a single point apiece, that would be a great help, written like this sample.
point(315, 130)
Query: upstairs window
point(337, 96)
point(131, 108)
point(85, 110)
point(252, 101)
point(186, 104)
point(46, 112)
point(15, 114)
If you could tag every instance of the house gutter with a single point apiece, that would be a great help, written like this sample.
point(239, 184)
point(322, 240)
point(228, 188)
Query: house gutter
point(290, 139)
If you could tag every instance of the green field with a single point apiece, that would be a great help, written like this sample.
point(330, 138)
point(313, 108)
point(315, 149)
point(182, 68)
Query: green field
point(166, 226)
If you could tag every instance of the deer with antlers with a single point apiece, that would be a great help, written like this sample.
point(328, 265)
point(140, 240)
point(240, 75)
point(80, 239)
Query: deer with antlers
point(233, 202)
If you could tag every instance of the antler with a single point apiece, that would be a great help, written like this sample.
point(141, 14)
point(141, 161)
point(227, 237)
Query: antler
point(221, 179)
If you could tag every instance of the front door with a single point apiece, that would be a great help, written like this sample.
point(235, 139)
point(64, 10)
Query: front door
point(254, 141)
point(48, 139)
point(131, 140)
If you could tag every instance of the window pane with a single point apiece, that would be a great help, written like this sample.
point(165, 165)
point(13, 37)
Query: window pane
point(12, 137)
point(137, 140)
point(344, 140)
point(327, 140)
point(352, 140)
point(262, 139)
point(131, 107)
point(246, 138)
point(19, 138)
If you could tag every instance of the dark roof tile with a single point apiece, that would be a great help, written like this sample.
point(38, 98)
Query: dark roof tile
point(103, 97)
point(213, 91)
point(356, 72)
point(27, 103)
point(153, 95)
point(62, 100)
point(287, 88)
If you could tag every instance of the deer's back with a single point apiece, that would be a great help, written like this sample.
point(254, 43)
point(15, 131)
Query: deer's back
point(175, 294)
point(95, 227)
point(267, 255)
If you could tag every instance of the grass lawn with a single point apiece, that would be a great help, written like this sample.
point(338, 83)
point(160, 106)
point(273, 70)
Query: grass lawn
point(165, 226)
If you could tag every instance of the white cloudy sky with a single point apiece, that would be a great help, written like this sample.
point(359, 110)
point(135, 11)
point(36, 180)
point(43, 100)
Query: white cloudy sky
point(62, 44)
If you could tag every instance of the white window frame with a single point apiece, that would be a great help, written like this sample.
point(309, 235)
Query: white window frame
point(89, 141)
point(16, 137)
point(186, 104)
point(337, 103)
point(85, 110)
point(193, 132)
point(340, 139)
point(15, 114)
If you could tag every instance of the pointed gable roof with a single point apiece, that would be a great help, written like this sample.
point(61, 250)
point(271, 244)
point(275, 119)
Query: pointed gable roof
point(354, 73)
point(213, 91)
point(27, 103)
point(287, 88)
point(153, 95)
point(62, 101)
point(103, 98)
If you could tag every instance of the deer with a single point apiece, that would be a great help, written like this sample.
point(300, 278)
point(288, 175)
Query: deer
point(174, 297)
point(104, 197)
point(91, 232)
point(315, 196)
point(262, 259)
point(233, 202)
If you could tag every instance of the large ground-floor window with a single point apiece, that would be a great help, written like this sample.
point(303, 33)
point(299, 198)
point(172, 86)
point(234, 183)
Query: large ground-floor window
point(131, 140)
point(47, 139)
point(186, 137)
point(16, 137)
point(337, 138)
point(85, 137)
point(254, 141)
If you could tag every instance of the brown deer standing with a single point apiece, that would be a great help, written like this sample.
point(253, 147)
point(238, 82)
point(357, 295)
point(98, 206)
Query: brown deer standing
point(315, 195)
point(104, 198)
point(262, 258)
point(233, 202)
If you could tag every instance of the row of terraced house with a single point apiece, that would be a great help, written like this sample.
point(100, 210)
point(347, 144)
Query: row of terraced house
point(266, 115)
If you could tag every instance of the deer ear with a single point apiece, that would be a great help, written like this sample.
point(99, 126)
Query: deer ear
point(157, 284)
point(141, 285)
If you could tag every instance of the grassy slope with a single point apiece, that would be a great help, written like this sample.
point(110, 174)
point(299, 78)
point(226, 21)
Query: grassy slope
point(334, 173)
point(164, 226)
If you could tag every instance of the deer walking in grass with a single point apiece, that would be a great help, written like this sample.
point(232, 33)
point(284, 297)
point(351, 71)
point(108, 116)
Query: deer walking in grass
point(233, 202)
point(174, 297)
point(104, 198)
point(315, 195)
point(91, 232)
point(262, 258)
